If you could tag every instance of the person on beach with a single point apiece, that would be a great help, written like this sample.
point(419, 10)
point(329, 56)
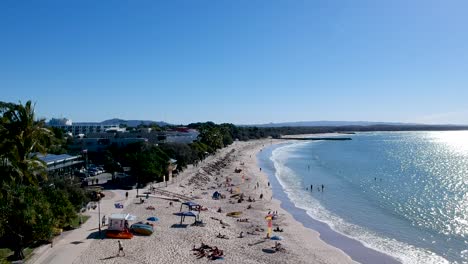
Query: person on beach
point(121, 249)
point(311, 187)
point(126, 195)
point(322, 187)
point(261, 196)
point(268, 184)
point(260, 169)
point(103, 220)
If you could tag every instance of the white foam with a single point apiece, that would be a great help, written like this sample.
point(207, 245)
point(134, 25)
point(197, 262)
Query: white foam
point(293, 186)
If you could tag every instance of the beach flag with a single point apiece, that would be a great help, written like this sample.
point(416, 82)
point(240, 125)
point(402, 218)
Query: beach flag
point(269, 219)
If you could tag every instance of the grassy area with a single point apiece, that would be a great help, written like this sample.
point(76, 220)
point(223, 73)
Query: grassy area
point(76, 222)
point(6, 252)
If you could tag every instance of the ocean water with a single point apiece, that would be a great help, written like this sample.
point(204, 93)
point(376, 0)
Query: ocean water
point(401, 193)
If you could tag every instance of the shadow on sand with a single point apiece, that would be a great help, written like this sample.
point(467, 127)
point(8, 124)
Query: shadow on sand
point(179, 226)
point(111, 257)
point(269, 250)
point(96, 235)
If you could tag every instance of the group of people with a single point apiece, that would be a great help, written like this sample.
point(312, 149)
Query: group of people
point(208, 251)
point(319, 188)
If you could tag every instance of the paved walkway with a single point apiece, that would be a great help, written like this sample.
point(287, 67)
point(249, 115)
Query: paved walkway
point(68, 246)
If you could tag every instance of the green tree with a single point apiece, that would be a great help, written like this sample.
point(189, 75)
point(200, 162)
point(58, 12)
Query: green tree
point(27, 217)
point(60, 206)
point(22, 139)
point(148, 162)
point(181, 152)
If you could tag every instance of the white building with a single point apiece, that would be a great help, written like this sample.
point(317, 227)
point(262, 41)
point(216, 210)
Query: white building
point(83, 127)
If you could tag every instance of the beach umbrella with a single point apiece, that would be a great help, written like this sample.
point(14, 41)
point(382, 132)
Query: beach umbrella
point(276, 238)
point(152, 218)
point(182, 215)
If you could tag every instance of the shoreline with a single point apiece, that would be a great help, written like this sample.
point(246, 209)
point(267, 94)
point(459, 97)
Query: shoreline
point(173, 243)
point(350, 246)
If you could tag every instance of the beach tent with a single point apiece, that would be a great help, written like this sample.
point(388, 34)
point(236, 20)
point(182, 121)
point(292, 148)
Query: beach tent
point(193, 214)
point(216, 195)
point(191, 206)
point(117, 221)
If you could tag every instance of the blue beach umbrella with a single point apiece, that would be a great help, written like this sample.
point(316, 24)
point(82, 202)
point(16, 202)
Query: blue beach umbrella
point(153, 219)
point(276, 238)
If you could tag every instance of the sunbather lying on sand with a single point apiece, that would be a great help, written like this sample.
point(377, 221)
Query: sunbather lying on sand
point(277, 229)
point(216, 253)
point(278, 247)
point(221, 236)
point(201, 253)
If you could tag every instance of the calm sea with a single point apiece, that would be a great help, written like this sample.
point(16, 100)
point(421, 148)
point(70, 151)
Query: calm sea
point(402, 193)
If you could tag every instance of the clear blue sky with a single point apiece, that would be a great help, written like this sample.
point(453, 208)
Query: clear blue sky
point(240, 61)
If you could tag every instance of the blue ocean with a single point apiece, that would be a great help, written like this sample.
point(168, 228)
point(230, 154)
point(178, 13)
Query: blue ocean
point(401, 193)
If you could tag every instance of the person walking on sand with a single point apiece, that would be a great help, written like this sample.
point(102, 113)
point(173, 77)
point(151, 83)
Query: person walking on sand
point(121, 249)
point(103, 220)
point(126, 195)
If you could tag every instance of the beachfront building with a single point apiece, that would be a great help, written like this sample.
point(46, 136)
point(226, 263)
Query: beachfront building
point(98, 144)
point(181, 135)
point(84, 128)
point(63, 164)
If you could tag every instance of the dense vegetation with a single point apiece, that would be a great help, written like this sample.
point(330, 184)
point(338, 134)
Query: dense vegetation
point(31, 205)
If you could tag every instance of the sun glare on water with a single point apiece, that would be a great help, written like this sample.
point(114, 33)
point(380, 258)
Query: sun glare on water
point(455, 140)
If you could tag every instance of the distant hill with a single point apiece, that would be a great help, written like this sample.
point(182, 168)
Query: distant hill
point(133, 123)
point(331, 124)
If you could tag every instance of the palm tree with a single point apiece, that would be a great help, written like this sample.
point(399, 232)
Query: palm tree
point(22, 139)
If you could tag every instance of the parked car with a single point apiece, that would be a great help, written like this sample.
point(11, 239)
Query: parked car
point(93, 172)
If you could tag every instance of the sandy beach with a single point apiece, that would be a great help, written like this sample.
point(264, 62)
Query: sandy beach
point(173, 243)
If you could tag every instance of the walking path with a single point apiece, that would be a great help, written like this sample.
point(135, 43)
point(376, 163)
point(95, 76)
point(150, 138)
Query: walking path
point(70, 245)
